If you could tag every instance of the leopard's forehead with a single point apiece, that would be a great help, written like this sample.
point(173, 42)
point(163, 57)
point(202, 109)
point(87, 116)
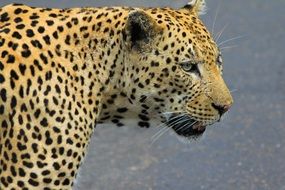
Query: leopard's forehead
point(181, 28)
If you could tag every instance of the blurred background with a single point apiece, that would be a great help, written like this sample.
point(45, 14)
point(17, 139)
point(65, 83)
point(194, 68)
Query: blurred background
point(244, 152)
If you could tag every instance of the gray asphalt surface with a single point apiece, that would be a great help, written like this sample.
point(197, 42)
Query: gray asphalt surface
point(244, 152)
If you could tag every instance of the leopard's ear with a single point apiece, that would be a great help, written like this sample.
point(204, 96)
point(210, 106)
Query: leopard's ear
point(197, 7)
point(140, 30)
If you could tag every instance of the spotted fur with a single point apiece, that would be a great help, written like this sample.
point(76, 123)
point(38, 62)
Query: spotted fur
point(64, 70)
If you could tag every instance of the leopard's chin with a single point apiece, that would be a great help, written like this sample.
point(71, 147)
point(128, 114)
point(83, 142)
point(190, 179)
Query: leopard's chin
point(186, 127)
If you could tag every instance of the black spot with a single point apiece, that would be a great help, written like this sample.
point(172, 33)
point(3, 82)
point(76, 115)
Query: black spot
point(33, 182)
point(4, 17)
point(13, 102)
point(22, 173)
point(122, 110)
point(30, 33)
point(5, 30)
point(33, 175)
point(28, 164)
point(34, 17)
point(22, 68)
point(2, 110)
point(69, 25)
point(17, 35)
point(143, 117)
point(34, 23)
point(41, 29)
point(140, 85)
point(144, 124)
point(18, 11)
point(52, 15)
point(48, 89)
point(55, 35)
point(57, 88)
point(66, 182)
point(56, 130)
point(154, 64)
point(37, 113)
point(168, 60)
point(1, 66)
point(45, 172)
point(60, 28)
point(21, 92)
point(4, 53)
point(2, 42)
point(47, 180)
point(14, 75)
point(35, 147)
point(24, 108)
point(49, 141)
point(56, 166)
point(18, 19)
point(20, 27)
point(36, 44)
point(12, 45)
point(69, 141)
point(44, 122)
point(37, 64)
point(11, 59)
point(50, 22)
point(26, 53)
point(40, 164)
point(2, 79)
point(67, 40)
point(21, 147)
point(20, 184)
point(47, 39)
point(165, 48)
point(44, 58)
point(48, 75)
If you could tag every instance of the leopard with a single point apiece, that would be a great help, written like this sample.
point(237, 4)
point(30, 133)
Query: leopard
point(65, 71)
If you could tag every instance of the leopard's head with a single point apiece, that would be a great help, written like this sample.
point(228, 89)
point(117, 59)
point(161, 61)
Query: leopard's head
point(175, 68)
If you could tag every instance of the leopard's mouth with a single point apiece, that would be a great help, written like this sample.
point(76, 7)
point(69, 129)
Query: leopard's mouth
point(186, 126)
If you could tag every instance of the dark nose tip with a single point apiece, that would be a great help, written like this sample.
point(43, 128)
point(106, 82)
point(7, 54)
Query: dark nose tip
point(221, 108)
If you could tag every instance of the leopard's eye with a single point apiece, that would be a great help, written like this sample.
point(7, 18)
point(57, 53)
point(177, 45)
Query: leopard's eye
point(187, 66)
point(190, 67)
point(220, 63)
point(219, 60)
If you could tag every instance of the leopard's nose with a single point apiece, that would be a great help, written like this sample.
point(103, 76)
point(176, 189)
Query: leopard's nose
point(221, 108)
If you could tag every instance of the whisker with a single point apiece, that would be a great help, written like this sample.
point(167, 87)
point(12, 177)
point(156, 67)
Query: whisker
point(167, 115)
point(159, 133)
point(173, 120)
point(189, 126)
point(215, 18)
point(145, 98)
point(162, 133)
point(224, 49)
point(181, 127)
point(218, 36)
point(156, 136)
point(231, 39)
point(188, 118)
point(234, 90)
point(172, 112)
point(228, 47)
point(165, 124)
